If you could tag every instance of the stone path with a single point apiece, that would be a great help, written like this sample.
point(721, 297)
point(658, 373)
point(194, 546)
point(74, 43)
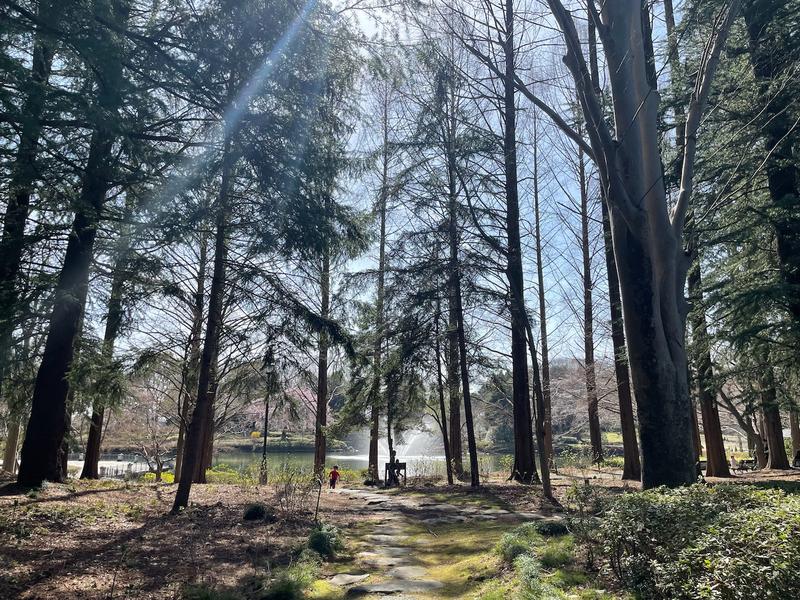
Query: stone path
point(390, 560)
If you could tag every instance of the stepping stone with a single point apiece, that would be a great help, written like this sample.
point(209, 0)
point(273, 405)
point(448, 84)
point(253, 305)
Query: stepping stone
point(376, 560)
point(407, 572)
point(347, 579)
point(394, 586)
point(378, 538)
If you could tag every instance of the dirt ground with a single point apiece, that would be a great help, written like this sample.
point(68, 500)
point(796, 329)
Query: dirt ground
point(107, 539)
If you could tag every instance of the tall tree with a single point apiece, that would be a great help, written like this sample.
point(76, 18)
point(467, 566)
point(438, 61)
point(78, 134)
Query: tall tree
point(648, 241)
point(42, 448)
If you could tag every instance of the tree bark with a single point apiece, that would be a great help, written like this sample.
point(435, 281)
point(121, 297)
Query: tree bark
point(632, 468)
point(48, 424)
point(773, 429)
point(794, 428)
point(24, 173)
point(647, 240)
point(195, 434)
point(10, 452)
point(524, 468)
point(322, 370)
point(716, 459)
point(595, 433)
point(440, 390)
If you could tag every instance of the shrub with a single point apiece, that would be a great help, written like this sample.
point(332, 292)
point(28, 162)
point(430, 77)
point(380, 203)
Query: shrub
point(292, 582)
point(166, 477)
point(551, 528)
point(255, 512)
point(726, 541)
point(517, 542)
point(225, 474)
point(325, 541)
point(529, 573)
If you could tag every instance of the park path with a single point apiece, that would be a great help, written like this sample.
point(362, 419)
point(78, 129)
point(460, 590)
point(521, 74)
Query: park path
point(387, 566)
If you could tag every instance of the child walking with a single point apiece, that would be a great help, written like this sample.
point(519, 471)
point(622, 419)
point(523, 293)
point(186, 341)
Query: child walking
point(334, 476)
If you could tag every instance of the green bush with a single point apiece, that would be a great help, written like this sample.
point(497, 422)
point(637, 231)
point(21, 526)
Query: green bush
point(225, 474)
point(551, 528)
point(517, 542)
point(166, 477)
point(529, 574)
point(557, 553)
point(720, 542)
point(291, 583)
point(325, 541)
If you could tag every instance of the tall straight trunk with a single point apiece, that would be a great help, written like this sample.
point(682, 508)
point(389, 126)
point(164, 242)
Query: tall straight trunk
point(10, 452)
point(24, 173)
point(193, 453)
point(42, 449)
point(457, 368)
point(716, 460)
point(207, 445)
point(440, 391)
point(453, 378)
point(696, 444)
point(191, 364)
point(779, 130)
point(773, 430)
point(524, 468)
point(547, 431)
point(632, 467)
point(372, 465)
point(794, 428)
point(595, 433)
point(322, 368)
point(114, 314)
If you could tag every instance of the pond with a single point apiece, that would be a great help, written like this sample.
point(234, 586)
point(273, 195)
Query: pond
point(417, 464)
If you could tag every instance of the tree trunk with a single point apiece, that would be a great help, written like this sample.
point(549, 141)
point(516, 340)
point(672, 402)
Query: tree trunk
point(440, 390)
point(716, 459)
point(322, 369)
point(453, 379)
point(773, 430)
point(595, 433)
point(10, 452)
point(632, 467)
point(24, 173)
point(794, 428)
point(48, 424)
point(647, 240)
point(207, 446)
point(197, 427)
point(191, 366)
point(547, 425)
point(524, 468)
point(457, 364)
point(372, 465)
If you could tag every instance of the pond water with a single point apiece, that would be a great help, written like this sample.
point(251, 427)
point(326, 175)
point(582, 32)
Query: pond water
point(417, 464)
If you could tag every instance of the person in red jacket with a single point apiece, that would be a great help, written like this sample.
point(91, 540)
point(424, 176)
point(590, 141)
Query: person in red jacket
point(334, 476)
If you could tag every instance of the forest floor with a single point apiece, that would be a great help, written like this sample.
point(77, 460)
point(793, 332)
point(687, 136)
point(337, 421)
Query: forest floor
point(113, 539)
